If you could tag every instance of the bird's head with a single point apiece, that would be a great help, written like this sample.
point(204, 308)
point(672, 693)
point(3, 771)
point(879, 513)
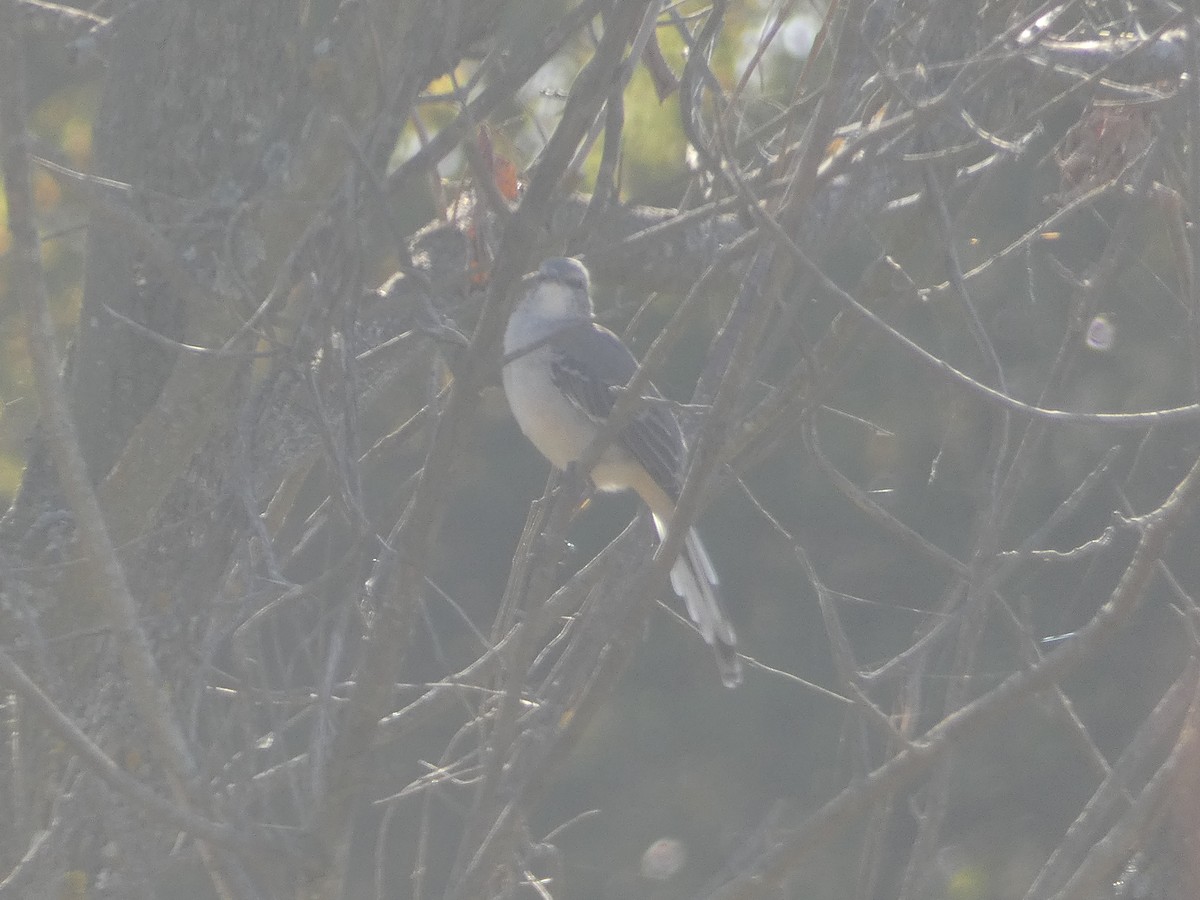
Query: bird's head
point(560, 290)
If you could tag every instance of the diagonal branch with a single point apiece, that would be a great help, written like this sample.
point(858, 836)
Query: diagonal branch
point(772, 865)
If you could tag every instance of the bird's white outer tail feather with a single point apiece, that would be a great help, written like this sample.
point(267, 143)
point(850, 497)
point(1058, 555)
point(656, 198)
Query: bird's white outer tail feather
point(694, 579)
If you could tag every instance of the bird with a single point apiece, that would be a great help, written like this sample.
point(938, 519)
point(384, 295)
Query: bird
point(562, 375)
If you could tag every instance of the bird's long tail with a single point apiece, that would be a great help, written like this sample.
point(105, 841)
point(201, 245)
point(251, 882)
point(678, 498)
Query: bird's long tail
point(695, 580)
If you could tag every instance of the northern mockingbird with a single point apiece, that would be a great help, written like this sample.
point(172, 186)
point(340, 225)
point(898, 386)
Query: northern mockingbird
point(562, 376)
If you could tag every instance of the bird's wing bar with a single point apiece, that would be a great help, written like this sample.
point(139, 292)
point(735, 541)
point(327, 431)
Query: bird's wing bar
point(590, 367)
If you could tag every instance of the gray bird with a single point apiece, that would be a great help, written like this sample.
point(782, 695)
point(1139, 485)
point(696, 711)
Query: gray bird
point(562, 377)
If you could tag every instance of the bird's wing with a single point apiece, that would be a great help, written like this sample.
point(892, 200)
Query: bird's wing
point(590, 366)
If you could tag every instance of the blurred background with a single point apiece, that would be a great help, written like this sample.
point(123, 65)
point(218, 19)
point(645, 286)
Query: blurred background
point(1010, 189)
